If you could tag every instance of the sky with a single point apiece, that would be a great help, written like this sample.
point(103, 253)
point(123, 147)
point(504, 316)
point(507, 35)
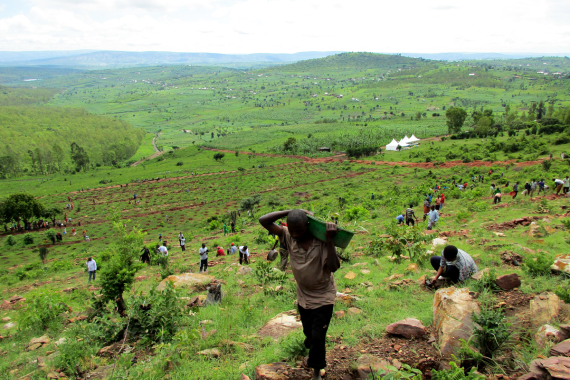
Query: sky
point(287, 26)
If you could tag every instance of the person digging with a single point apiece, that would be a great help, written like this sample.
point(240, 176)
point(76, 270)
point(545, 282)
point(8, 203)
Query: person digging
point(313, 263)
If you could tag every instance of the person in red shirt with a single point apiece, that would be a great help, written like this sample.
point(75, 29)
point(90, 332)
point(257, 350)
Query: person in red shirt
point(465, 186)
point(220, 252)
point(442, 201)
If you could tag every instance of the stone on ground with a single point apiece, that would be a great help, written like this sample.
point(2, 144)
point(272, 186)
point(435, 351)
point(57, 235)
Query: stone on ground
point(544, 307)
point(210, 352)
point(452, 310)
point(413, 267)
point(480, 274)
point(186, 279)
point(548, 333)
point(557, 367)
point(340, 314)
point(280, 371)
point(365, 362)
point(244, 270)
point(280, 325)
point(408, 328)
point(561, 349)
point(9, 325)
point(561, 264)
point(214, 295)
point(350, 275)
point(354, 311)
point(536, 231)
point(508, 281)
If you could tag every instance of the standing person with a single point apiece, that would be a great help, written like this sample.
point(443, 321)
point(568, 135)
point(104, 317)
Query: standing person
point(410, 215)
point(566, 184)
point(233, 249)
point(243, 254)
point(515, 189)
point(541, 186)
point(433, 217)
point(533, 186)
point(442, 201)
point(91, 268)
point(438, 202)
point(159, 237)
point(226, 231)
point(372, 196)
point(313, 263)
point(426, 207)
point(180, 236)
point(558, 183)
point(163, 250)
point(203, 259)
point(145, 257)
point(73, 231)
point(183, 243)
point(233, 226)
point(454, 264)
point(526, 188)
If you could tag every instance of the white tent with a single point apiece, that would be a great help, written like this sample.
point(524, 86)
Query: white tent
point(403, 143)
point(413, 139)
point(392, 146)
point(405, 140)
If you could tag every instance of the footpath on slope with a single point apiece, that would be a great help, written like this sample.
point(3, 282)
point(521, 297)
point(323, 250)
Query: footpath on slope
point(423, 165)
point(154, 155)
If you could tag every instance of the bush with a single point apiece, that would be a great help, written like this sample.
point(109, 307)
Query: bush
point(179, 163)
point(486, 283)
point(214, 225)
point(11, 240)
point(405, 372)
point(265, 273)
point(563, 293)
point(28, 239)
point(50, 235)
point(43, 252)
point(357, 213)
point(562, 139)
point(491, 331)
point(538, 267)
point(546, 164)
point(293, 345)
point(59, 266)
point(41, 311)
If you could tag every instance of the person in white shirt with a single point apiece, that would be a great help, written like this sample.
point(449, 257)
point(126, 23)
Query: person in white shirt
point(566, 184)
point(433, 217)
point(163, 250)
point(558, 183)
point(203, 258)
point(91, 268)
point(183, 243)
point(243, 254)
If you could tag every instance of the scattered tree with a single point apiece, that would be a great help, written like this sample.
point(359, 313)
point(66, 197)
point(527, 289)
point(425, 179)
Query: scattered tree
point(455, 119)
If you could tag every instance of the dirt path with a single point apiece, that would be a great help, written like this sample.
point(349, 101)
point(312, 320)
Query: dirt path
point(154, 155)
point(423, 165)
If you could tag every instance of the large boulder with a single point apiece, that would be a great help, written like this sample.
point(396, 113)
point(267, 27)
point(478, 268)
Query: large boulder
point(280, 371)
point(561, 264)
point(366, 363)
point(280, 325)
point(557, 367)
point(186, 279)
point(544, 307)
point(452, 311)
point(508, 281)
point(408, 328)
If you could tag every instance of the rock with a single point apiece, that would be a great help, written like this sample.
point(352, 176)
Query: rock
point(558, 367)
point(53, 375)
point(413, 267)
point(44, 339)
point(366, 362)
point(354, 311)
point(479, 275)
point(393, 277)
point(365, 271)
point(376, 262)
point(561, 264)
point(508, 281)
point(534, 376)
point(6, 319)
point(280, 325)
point(544, 307)
point(60, 341)
point(279, 371)
point(214, 296)
point(422, 280)
point(16, 298)
point(69, 290)
point(231, 343)
point(210, 352)
point(452, 309)
point(9, 325)
point(243, 270)
point(561, 349)
point(408, 328)
point(340, 314)
point(186, 279)
point(396, 363)
point(350, 275)
point(244, 377)
point(41, 362)
point(546, 333)
point(438, 241)
point(33, 347)
point(205, 322)
point(359, 264)
point(535, 231)
point(500, 234)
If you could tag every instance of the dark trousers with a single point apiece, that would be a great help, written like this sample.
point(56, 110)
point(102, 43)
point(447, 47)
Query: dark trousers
point(514, 196)
point(183, 247)
point(315, 325)
point(92, 274)
point(408, 221)
point(449, 271)
point(496, 200)
point(204, 265)
point(565, 190)
point(243, 258)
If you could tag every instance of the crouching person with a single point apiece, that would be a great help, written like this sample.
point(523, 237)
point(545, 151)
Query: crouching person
point(313, 263)
point(454, 264)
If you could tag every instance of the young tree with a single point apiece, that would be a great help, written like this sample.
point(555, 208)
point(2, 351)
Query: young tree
point(249, 203)
point(455, 119)
point(43, 252)
point(118, 273)
point(51, 213)
point(290, 144)
point(20, 206)
point(218, 156)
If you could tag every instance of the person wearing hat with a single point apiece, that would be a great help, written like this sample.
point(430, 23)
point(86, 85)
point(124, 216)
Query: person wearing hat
point(220, 252)
point(233, 249)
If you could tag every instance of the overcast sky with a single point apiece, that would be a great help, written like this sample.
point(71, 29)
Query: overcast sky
point(287, 26)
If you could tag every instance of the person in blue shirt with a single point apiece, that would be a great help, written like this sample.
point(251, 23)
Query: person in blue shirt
point(372, 196)
point(400, 218)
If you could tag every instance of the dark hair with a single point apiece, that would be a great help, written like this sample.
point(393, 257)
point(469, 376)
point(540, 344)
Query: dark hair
point(450, 252)
point(411, 205)
point(297, 217)
point(245, 247)
point(203, 245)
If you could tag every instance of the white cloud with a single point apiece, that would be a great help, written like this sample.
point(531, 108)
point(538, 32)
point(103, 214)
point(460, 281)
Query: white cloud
point(251, 26)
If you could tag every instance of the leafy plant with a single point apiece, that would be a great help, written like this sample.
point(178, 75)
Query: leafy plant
point(399, 241)
point(11, 241)
point(43, 252)
point(293, 345)
point(563, 293)
point(50, 235)
point(456, 373)
point(28, 239)
point(265, 273)
point(486, 283)
point(546, 165)
point(538, 267)
point(356, 213)
point(405, 372)
point(491, 331)
point(41, 311)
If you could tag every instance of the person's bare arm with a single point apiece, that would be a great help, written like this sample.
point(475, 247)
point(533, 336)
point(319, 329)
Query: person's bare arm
point(332, 261)
point(439, 272)
point(267, 221)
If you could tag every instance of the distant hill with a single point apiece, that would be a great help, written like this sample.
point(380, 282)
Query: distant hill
point(472, 56)
point(123, 58)
point(21, 56)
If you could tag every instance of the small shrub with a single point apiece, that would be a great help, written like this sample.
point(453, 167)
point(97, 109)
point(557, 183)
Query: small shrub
point(179, 163)
point(546, 164)
point(11, 241)
point(60, 266)
point(28, 239)
point(456, 373)
point(293, 346)
point(214, 225)
point(563, 293)
point(41, 311)
point(264, 273)
point(492, 332)
point(405, 372)
point(357, 213)
point(43, 252)
point(50, 235)
point(487, 282)
point(538, 267)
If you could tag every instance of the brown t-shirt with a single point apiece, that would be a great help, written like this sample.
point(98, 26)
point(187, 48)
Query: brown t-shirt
point(315, 283)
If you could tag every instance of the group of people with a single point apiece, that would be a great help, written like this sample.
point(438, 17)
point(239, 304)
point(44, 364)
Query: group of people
point(203, 252)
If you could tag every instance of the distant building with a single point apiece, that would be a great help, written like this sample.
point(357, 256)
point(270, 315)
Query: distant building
point(324, 149)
